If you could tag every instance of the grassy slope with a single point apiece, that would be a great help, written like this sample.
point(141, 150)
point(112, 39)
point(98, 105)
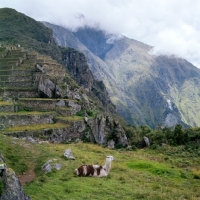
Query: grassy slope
point(17, 28)
point(166, 173)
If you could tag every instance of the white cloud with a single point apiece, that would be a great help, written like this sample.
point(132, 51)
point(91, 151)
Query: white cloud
point(171, 26)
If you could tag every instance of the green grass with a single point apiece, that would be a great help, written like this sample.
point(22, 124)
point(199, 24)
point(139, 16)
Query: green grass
point(34, 127)
point(4, 103)
point(71, 118)
point(142, 174)
point(27, 113)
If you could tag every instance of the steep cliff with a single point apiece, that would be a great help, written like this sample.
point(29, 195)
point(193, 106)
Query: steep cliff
point(44, 97)
point(49, 104)
point(77, 66)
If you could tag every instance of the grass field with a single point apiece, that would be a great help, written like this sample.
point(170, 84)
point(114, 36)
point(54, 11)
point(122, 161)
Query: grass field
point(164, 173)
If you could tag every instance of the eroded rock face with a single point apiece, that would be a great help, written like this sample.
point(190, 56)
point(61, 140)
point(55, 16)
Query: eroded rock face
point(46, 88)
point(12, 187)
point(105, 128)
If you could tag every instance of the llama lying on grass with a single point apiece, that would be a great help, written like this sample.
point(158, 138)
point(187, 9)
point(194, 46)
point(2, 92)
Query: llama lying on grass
point(95, 170)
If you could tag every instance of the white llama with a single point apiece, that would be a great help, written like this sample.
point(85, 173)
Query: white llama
point(95, 170)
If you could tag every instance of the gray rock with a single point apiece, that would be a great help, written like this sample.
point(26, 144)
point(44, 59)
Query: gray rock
point(12, 187)
point(111, 144)
point(39, 68)
point(31, 140)
point(58, 92)
point(61, 103)
point(68, 154)
point(86, 119)
point(85, 97)
point(101, 126)
point(46, 88)
point(77, 96)
point(146, 141)
point(76, 107)
point(47, 166)
point(57, 166)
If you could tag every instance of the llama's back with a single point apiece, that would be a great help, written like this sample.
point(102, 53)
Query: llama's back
point(90, 170)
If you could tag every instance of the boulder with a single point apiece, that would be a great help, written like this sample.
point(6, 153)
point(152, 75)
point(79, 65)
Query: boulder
point(47, 166)
point(31, 140)
point(50, 165)
point(111, 144)
point(68, 154)
point(46, 88)
point(12, 187)
point(76, 107)
point(105, 128)
point(61, 103)
point(39, 68)
point(145, 142)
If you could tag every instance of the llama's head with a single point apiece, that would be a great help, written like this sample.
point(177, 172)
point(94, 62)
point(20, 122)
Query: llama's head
point(110, 158)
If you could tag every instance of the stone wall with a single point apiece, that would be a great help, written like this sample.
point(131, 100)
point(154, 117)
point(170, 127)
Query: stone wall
point(11, 120)
point(39, 104)
point(58, 135)
point(21, 84)
point(20, 93)
point(7, 108)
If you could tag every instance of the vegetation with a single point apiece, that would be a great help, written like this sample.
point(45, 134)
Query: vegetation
point(171, 136)
point(169, 169)
point(165, 173)
point(17, 28)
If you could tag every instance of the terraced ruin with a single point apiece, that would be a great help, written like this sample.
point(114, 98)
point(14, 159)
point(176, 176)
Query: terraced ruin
point(38, 98)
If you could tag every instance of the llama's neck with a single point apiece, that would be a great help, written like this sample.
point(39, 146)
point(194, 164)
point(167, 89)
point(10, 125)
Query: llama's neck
point(107, 166)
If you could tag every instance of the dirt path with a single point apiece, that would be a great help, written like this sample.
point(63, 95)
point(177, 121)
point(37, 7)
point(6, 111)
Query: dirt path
point(27, 177)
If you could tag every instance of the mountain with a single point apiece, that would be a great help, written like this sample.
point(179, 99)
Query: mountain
point(49, 92)
point(146, 89)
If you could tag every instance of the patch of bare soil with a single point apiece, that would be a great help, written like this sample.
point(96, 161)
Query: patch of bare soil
point(27, 177)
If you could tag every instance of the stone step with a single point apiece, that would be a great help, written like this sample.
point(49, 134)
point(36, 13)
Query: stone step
point(8, 66)
point(26, 66)
point(37, 103)
point(69, 119)
point(16, 78)
point(50, 132)
point(29, 62)
point(17, 54)
point(32, 56)
point(11, 59)
point(65, 111)
point(43, 104)
point(6, 107)
point(25, 118)
point(19, 84)
point(17, 72)
point(31, 92)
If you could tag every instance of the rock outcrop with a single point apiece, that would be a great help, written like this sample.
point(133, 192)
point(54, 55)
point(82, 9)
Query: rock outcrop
point(76, 63)
point(68, 154)
point(12, 187)
point(107, 130)
point(50, 165)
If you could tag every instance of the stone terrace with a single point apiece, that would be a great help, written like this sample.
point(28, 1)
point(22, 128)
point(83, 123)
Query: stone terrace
point(23, 112)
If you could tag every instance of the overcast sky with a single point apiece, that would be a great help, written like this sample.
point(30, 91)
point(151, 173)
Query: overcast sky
point(171, 26)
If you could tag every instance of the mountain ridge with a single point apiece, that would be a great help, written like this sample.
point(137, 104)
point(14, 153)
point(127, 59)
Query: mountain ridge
point(140, 84)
